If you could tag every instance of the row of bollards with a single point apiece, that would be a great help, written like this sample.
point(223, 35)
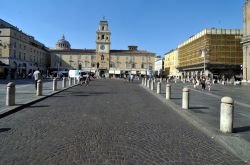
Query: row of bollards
point(226, 108)
point(11, 89)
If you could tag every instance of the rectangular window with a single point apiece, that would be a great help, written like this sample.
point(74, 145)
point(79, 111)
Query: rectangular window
point(92, 58)
point(14, 53)
point(20, 56)
point(142, 66)
point(133, 65)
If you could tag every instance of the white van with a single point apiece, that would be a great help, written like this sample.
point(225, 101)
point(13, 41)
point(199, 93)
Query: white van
point(74, 73)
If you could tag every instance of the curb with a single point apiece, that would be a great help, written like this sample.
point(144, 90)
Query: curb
point(12, 109)
point(232, 142)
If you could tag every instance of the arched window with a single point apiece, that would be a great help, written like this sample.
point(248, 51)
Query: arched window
point(102, 57)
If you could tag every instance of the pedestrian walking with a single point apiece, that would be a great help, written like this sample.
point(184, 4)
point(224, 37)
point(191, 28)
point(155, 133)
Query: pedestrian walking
point(87, 79)
point(203, 84)
point(209, 83)
point(132, 78)
point(37, 76)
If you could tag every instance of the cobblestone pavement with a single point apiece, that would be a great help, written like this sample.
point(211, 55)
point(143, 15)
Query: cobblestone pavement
point(108, 122)
point(206, 104)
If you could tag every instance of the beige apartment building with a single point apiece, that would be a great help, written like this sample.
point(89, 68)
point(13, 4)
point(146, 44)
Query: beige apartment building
point(215, 53)
point(102, 61)
point(246, 43)
point(20, 54)
point(171, 64)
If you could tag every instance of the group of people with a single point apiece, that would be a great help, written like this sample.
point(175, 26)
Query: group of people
point(203, 82)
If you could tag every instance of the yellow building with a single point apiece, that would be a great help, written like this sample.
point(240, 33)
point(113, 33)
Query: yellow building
point(21, 53)
point(171, 63)
point(213, 52)
point(102, 60)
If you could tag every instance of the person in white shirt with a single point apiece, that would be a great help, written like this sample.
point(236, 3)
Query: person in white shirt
point(37, 76)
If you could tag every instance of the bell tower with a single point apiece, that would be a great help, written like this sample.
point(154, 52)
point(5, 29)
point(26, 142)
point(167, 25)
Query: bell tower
point(103, 45)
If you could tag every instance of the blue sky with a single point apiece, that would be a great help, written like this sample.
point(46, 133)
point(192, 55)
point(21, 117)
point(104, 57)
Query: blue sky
point(154, 25)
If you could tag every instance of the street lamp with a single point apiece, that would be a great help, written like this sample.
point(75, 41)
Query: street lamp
point(203, 54)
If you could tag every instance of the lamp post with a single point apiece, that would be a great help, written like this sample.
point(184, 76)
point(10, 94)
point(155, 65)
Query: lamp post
point(203, 54)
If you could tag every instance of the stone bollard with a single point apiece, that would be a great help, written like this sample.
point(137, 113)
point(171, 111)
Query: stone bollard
point(54, 84)
point(75, 81)
point(64, 82)
point(158, 88)
point(10, 94)
point(168, 91)
point(161, 80)
point(142, 81)
point(145, 82)
point(226, 115)
point(152, 85)
point(148, 83)
point(70, 81)
point(39, 89)
point(185, 98)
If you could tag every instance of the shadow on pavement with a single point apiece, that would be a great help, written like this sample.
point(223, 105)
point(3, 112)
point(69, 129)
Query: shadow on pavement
point(241, 129)
point(57, 96)
point(4, 129)
point(176, 98)
point(198, 108)
point(37, 106)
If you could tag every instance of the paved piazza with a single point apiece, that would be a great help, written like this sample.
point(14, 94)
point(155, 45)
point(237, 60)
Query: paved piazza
point(108, 122)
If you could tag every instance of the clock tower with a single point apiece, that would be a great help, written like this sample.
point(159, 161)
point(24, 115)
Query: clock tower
point(103, 46)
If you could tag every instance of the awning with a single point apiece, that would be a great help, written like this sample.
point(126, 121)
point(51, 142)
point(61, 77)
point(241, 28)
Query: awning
point(133, 72)
point(143, 72)
point(117, 72)
point(111, 71)
point(92, 70)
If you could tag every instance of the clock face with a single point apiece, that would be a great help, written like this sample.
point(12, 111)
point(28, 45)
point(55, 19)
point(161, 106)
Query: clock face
point(102, 47)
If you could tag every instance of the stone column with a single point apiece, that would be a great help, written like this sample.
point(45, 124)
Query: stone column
point(226, 114)
point(11, 94)
point(158, 88)
point(148, 83)
point(64, 82)
point(39, 88)
point(54, 84)
point(75, 80)
point(168, 91)
point(185, 98)
point(152, 85)
point(70, 81)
